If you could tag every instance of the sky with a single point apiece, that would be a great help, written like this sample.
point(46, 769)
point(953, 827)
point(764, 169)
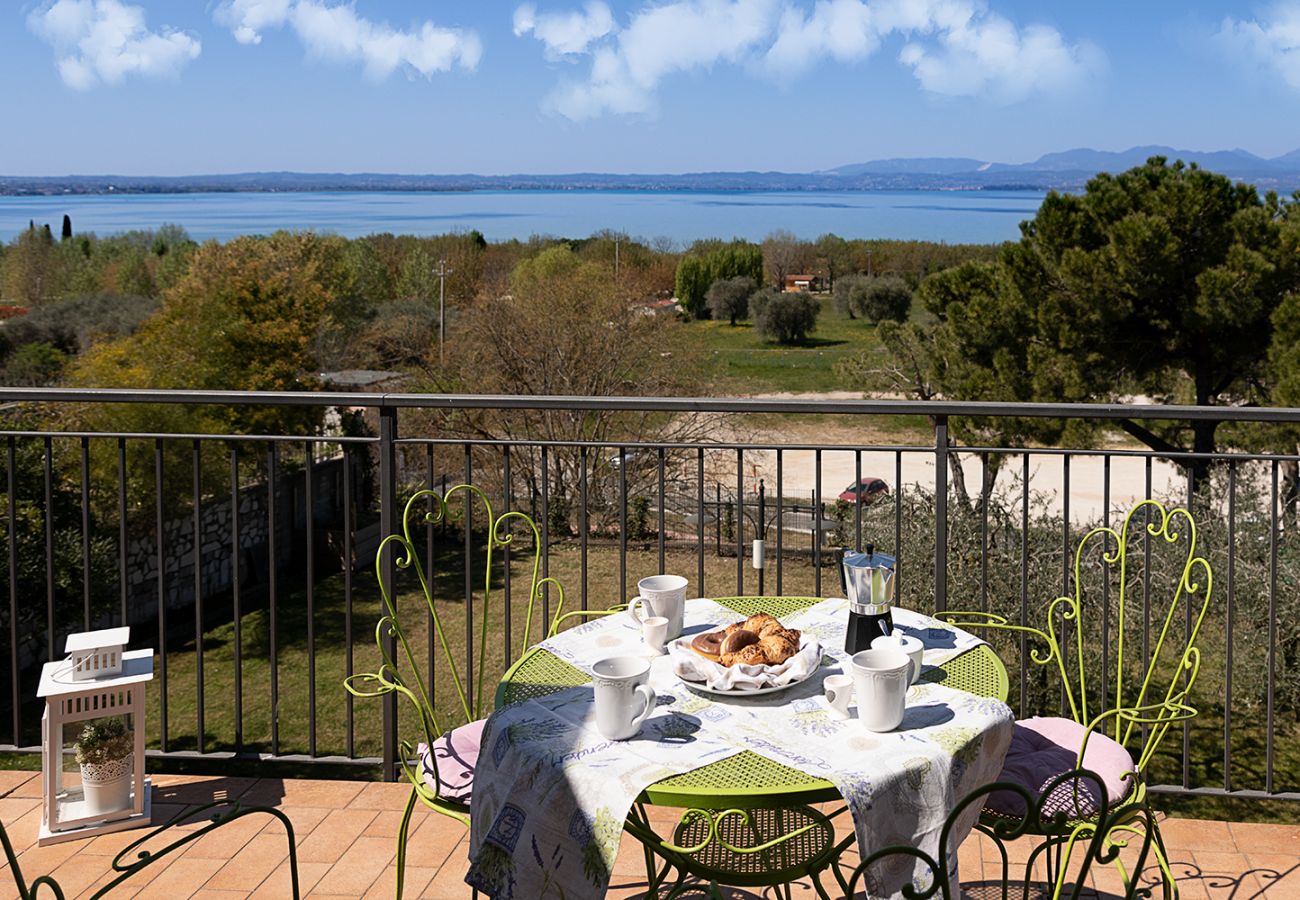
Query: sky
point(175, 87)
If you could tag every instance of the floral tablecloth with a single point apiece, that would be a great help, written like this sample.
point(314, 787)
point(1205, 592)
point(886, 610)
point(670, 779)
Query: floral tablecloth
point(551, 794)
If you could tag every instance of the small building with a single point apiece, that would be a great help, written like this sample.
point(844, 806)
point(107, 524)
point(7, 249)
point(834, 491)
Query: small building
point(800, 283)
point(669, 306)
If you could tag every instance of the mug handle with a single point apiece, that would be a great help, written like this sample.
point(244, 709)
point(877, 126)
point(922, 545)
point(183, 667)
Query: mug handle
point(647, 694)
point(634, 606)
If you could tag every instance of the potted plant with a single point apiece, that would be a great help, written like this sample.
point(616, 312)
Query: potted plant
point(104, 752)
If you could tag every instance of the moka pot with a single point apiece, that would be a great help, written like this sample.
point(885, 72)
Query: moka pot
point(869, 584)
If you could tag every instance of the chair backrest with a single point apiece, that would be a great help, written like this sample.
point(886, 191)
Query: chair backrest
point(1066, 857)
point(1154, 692)
point(403, 674)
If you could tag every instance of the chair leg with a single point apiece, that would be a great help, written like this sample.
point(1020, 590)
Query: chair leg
point(1166, 874)
point(401, 843)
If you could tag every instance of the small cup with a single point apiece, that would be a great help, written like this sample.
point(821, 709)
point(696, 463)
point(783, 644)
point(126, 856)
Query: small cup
point(908, 645)
point(839, 693)
point(880, 680)
point(620, 687)
point(654, 629)
point(661, 595)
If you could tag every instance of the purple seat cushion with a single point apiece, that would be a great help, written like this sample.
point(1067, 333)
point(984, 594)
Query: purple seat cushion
point(454, 755)
point(1043, 748)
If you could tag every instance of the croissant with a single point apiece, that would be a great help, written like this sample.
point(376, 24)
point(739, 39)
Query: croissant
point(777, 648)
point(749, 655)
point(770, 627)
point(755, 623)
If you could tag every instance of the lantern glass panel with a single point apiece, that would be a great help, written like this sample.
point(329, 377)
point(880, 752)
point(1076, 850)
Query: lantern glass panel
point(98, 767)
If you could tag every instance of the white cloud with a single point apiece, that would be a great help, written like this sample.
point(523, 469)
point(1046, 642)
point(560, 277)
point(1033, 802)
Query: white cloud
point(565, 34)
point(1273, 43)
point(103, 41)
point(953, 47)
point(335, 33)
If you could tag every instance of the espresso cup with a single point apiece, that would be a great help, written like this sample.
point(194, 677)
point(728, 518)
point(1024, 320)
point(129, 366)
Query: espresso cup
point(661, 595)
point(908, 645)
point(880, 681)
point(654, 629)
point(623, 698)
point(839, 693)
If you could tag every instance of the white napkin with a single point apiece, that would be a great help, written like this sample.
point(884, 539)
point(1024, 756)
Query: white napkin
point(690, 666)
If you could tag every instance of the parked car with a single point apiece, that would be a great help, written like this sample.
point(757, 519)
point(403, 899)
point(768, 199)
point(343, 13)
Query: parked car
point(866, 491)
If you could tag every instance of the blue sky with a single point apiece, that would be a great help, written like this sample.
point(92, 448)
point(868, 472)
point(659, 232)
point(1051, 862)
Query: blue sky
point(186, 86)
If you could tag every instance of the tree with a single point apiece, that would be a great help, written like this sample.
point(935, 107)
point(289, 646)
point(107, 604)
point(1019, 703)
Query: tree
point(709, 261)
point(844, 294)
point(784, 318)
point(783, 254)
point(1158, 281)
point(834, 257)
point(728, 298)
point(66, 234)
point(881, 298)
point(34, 365)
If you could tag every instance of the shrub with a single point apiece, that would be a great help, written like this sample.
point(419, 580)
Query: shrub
point(785, 318)
point(881, 298)
point(728, 298)
point(34, 365)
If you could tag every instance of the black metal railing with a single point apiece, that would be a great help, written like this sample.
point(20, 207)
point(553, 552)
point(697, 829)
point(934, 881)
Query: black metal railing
point(248, 558)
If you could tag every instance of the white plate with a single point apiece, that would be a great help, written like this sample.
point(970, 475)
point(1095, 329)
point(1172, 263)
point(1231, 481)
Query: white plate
point(682, 645)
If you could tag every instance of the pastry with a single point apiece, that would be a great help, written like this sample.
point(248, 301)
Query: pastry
point(709, 645)
point(777, 648)
point(756, 622)
point(771, 627)
point(734, 626)
point(749, 655)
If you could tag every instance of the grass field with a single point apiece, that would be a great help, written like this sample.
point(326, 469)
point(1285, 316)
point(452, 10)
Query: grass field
point(737, 361)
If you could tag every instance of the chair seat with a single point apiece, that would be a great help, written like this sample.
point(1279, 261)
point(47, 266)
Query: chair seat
point(453, 758)
point(1043, 748)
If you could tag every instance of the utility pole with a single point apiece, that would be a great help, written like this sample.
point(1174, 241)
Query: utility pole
point(442, 272)
point(616, 260)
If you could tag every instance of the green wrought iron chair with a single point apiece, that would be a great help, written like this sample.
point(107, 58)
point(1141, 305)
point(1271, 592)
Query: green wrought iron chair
point(1052, 812)
point(1104, 732)
point(440, 768)
point(224, 812)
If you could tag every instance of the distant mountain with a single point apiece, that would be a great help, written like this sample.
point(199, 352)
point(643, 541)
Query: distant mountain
point(1068, 170)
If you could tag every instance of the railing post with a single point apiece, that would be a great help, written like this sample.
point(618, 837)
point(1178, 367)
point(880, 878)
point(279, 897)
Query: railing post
point(388, 525)
point(940, 513)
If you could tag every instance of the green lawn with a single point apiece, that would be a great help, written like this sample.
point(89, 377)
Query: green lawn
point(737, 361)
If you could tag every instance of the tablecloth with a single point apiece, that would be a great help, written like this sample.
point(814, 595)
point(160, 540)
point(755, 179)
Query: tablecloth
point(550, 794)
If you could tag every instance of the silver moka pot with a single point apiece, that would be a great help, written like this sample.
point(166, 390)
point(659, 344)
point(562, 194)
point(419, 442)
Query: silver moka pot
point(869, 583)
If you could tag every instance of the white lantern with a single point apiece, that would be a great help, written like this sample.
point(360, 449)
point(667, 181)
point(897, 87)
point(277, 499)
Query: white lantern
point(94, 709)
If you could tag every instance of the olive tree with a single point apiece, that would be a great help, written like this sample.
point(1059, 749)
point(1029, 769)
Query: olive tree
point(787, 318)
point(728, 298)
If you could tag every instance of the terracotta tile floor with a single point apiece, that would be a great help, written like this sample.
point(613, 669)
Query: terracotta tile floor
point(344, 832)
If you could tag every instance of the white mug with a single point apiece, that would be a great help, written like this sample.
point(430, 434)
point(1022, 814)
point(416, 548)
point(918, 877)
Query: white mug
point(839, 692)
point(620, 686)
point(662, 595)
point(654, 629)
point(880, 680)
point(908, 645)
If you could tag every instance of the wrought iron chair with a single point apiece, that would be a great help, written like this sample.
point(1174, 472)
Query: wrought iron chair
point(1051, 813)
point(1102, 730)
point(226, 811)
point(441, 775)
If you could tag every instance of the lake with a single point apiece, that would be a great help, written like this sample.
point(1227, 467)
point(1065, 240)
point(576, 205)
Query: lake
point(683, 216)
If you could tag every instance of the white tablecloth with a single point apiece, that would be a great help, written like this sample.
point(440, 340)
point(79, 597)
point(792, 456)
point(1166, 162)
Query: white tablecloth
point(550, 794)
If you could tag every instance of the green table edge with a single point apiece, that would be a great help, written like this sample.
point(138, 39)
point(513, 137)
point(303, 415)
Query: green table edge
point(538, 672)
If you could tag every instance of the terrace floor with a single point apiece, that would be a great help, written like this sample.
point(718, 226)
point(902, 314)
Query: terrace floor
point(345, 831)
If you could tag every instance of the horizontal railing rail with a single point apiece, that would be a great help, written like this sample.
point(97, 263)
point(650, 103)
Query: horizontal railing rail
point(249, 557)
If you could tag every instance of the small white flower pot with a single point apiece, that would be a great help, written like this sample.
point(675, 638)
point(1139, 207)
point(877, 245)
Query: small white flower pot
point(107, 786)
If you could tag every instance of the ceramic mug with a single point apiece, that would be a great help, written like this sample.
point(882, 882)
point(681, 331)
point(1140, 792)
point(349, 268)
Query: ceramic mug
point(908, 645)
point(654, 629)
point(880, 681)
point(661, 595)
point(623, 698)
point(839, 693)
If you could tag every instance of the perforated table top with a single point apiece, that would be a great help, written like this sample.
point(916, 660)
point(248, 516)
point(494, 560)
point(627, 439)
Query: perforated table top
point(746, 780)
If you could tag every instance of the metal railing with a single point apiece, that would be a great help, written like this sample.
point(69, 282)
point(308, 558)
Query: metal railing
point(263, 570)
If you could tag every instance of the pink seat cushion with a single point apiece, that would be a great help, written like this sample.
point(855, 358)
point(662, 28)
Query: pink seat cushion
point(454, 755)
point(1043, 748)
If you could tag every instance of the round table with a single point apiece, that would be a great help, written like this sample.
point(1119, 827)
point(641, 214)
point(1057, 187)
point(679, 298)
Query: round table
point(746, 780)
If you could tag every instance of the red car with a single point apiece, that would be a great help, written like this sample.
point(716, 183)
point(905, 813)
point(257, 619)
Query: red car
point(868, 491)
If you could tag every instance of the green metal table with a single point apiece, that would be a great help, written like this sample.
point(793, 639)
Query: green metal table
point(747, 780)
